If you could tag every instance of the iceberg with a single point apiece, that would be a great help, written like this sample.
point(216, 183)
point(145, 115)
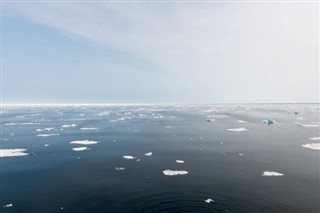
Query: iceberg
point(129, 157)
point(271, 173)
point(84, 142)
point(314, 138)
point(241, 129)
point(209, 200)
point(179, 161)
point(79, 149)
point(148, 154)
point(169, 172)
point(89, 128)
point(314, 146)
point(8, 205)
point(12, 152)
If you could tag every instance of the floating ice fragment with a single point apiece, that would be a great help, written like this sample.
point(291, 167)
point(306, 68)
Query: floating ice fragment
point(169, 172)
point(179, 161)
point(119, 168)
point(79, 149)
point(138, 160)
point(241, 121)
point(241, 129)
point(314, 146)
point(21, 123)
point(12, 152)
point(268, 121)
point(69, 125)
point(209, 200)
point(271, 173)
point(46, 145)
point(8, 205)
point(314, 138)
point(46, 135)
point(210, 120)
point(84, 142)
point(129, 157)
point(89, 128)
point(241, 154)
point(148, 154)
point(168, 127)
point(308, 125)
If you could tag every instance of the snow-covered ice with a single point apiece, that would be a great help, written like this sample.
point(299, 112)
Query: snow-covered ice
point(271, 173)
point(169, 172)
point(84, 142)
point(13, 152)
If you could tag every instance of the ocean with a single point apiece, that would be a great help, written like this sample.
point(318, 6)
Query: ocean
point(250, 158)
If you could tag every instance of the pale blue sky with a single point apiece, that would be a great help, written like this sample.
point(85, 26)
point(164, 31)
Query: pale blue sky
point(160, 52)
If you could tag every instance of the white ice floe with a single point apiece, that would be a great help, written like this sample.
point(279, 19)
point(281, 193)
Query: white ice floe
point(241, 129)
point(69, 125)
point(148, 154)
point(46, 135)
point(89, 128)
point(46, 145)
point(314, 146)
point(241, 154)
point(119, 168)
point(8, 205)
point(129, 157)
point(84, 142)
point(80, 149)
point(241, 121)
point(308, 125)
point(209, 200)
point(21, 123)
point(168, 127)
point(271, 173)
point(13, 152)
point(169, 172)
point(179, 161)
point(314, 138)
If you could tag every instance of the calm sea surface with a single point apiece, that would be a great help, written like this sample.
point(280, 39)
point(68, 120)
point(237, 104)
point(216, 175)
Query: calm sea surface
point(225, 166)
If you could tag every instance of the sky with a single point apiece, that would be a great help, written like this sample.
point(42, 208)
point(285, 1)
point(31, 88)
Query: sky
point(160, 52)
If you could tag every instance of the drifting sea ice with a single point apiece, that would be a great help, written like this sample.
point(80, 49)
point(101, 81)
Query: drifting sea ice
point(308, 125)
point(148, 154)
point(69, 125)
point(84, 142)
point(314, 146)
point(119, 168)
point(12, 152)
point(169, 172)
point(271, 173)
point(241, 129)
point(314, 138)
point(79, 149)
point(46, 135)
point(8, 205)
point(209, 200)
point(179, 161)
point(129, 157)
point(89, 128)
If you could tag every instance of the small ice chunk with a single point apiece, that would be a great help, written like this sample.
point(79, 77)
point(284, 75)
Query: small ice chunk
point(46, 145)
point(210, 120)
point(179, 161)
point(314, 138)
point(314, 146)
point(168, 127)
point(21, 123)
point(241, 154)
point(271, 173)
point(308, 125)
point(241, 129)
point(209, 200)
point(48, 129)
point(84, 142)
point(69, 125)
point(129, 157)
point(148, 154)
point(12, 152)
point(169, 172)
point(268, 121)
point(119, 168)
point(8, 205)
point(89, 128)
point(46, 135)
point(80, 149)
point(241, 121)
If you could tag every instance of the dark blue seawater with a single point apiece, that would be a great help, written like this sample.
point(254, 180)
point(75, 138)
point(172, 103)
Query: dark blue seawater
point(222, 165)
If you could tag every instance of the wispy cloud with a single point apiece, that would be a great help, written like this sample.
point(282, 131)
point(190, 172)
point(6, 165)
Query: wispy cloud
point(234, 51)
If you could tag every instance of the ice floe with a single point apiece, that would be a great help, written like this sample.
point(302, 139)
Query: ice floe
point(269, 121)
point(271, 173)
point(241, 121)
point(241, 154)
point(179, 161)
point(69, 125)
point(314, 138)
point(119, 168)
point(209, 200)
point(314, 146)
point(89, 128)
point(129, 157)
point(169, 172)
point(79, 149)
point(241, 129)
point(21, 123)
point(46, 135)
point(8, 205)
point(13, 152)
point(148, 154)
point(308, 125)
point(84, 142)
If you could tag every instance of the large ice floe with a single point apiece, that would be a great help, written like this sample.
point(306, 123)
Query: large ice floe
point(46, 135)
point(84, 142)
point(169, 172)
point(314, 146)
point(314, 138)
point(241, 129)
point(271, 173)
point(13, 152)
point(80, 149)
point(129, 157)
